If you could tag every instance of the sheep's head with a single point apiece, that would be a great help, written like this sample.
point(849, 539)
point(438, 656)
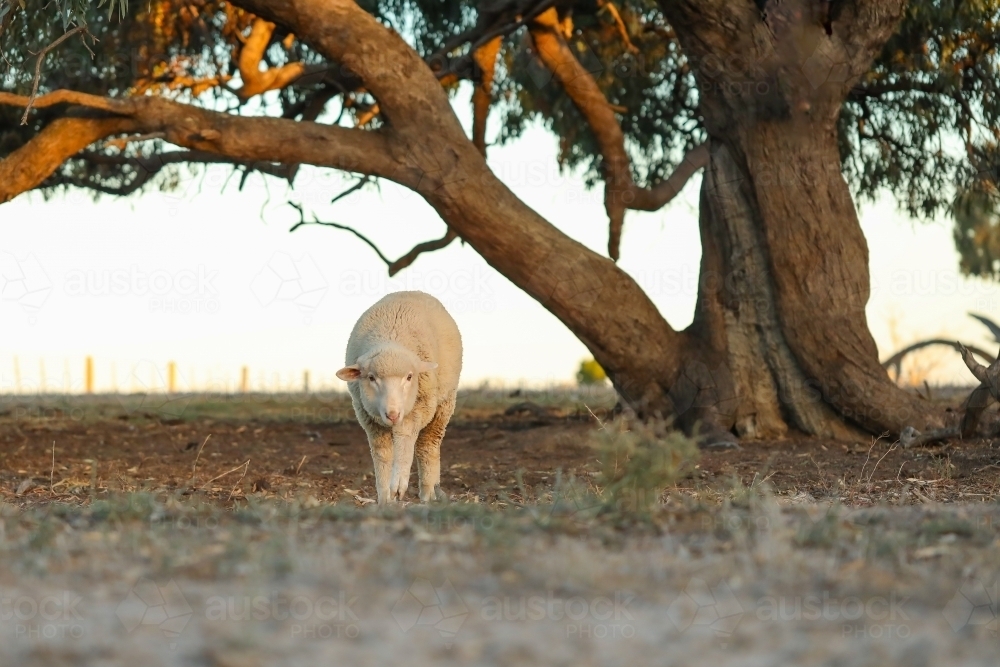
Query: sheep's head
point(388, 379)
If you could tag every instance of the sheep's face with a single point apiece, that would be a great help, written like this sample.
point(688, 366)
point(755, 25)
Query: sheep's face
point(388, 380)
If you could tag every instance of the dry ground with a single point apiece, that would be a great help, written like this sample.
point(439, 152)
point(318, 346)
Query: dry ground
point(133, 531)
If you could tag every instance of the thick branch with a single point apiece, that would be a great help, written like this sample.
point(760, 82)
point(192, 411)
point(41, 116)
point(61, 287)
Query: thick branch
point(147, 167)
point(256, 81)
point(238, 138)
point(423, 147)
point(35, 161)
point(620, 191)
point(619, 24)
point(661, 194)
point(588, 98)
point(482, 97)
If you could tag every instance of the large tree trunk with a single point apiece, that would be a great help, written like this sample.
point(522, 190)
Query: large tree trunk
point(785, 268)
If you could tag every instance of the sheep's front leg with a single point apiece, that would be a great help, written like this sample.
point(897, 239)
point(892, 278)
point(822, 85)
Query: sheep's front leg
point(402, 462)
point(380, 441)
point(428, 451)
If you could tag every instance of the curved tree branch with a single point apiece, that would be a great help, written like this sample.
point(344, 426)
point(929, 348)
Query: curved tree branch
point(147, 167)
point(620, 191)
point(587, 292)
point(256, 81)
point(420, 248)
point(35, 161)
point(238, 138)
point(482, 97)
point(896, 360)
point(423, 147)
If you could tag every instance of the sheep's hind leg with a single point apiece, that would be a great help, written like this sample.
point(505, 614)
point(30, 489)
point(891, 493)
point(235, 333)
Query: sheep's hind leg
point(428, 452)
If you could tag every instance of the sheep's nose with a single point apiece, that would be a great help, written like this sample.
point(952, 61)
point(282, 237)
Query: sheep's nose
point(392, 416)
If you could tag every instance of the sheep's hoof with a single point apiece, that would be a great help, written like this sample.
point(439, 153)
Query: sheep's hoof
point(439, 495)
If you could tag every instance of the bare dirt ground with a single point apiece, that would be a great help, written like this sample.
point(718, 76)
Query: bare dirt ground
point(217, 530)
point(313, 444)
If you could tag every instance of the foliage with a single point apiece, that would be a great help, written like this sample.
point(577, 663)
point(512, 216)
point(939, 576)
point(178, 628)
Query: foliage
point(924, 124)
point(590, 372)
point(639, 460)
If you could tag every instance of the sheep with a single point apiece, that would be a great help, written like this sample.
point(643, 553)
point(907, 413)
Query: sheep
point(403, 360)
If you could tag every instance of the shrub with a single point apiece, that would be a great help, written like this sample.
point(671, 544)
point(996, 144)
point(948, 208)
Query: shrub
point(641, 459)
point(590, 372)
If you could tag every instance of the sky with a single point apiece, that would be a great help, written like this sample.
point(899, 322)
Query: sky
point(209, 277)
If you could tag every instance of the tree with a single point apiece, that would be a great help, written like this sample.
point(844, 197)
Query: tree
point(785, 105)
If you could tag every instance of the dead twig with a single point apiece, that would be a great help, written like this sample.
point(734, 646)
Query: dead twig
point(239, 481)
point(194, 468)
point(595, 417)
point(82, 28)
point(394, 266)
point(244, 465)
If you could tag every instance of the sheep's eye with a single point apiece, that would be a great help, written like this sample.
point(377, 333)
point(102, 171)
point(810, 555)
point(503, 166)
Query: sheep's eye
point(371, 378)
point(409, 377)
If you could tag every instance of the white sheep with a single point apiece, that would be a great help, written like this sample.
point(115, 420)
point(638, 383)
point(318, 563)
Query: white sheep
point(403, 360)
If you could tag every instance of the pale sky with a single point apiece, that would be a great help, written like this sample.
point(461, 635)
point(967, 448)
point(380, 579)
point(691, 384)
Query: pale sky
point(215, 281)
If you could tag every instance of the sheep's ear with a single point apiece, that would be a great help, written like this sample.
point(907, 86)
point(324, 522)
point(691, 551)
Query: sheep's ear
point(425, 366)
point(348, 373)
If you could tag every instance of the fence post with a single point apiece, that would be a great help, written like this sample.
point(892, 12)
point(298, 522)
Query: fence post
point(90, 375)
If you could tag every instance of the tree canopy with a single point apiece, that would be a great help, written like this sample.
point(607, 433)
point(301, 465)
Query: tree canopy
point(923, 125)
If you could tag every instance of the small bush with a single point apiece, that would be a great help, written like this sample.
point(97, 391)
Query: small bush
point(590, 373)
point(639, 460)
